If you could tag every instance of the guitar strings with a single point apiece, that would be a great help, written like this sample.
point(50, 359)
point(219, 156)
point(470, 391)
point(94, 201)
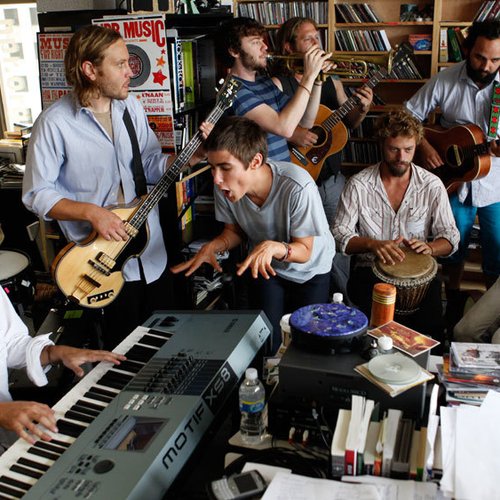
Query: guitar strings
point(139, 217)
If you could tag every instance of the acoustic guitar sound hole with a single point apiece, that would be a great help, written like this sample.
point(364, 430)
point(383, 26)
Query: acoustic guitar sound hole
point(322, 135)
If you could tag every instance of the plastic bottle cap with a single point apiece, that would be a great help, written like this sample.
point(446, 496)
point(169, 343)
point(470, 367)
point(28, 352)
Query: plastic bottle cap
point(251, 374)
point(337, 298)
point(285, 323)
point(385, 343)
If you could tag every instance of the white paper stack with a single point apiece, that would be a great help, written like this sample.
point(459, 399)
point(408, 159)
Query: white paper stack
point(470, 442)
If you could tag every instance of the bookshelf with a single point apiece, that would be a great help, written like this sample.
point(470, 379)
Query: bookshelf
point(432, 16)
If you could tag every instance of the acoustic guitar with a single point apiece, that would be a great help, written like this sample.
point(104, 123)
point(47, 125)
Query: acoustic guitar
point(90, 273)
point(328, 126)
point(464, 151)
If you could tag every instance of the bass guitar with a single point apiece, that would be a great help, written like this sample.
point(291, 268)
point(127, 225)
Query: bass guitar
point(464, 151)
point(90, 273)
point(331, 131)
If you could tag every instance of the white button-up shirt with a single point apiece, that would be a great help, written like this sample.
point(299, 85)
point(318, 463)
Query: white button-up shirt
point(365, 210)
point(461, 102)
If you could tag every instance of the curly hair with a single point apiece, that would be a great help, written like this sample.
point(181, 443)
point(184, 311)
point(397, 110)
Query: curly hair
point(399, 123)
point(230, 34)
point(87, 44)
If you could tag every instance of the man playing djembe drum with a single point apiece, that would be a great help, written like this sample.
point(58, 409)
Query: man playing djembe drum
point(391, 210)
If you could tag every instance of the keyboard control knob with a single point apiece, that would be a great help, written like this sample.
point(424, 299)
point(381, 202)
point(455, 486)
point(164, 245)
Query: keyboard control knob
point(103, 466)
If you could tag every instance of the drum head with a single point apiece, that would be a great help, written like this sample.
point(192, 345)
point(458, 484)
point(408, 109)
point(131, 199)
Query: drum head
point(12, 263)
point(415, 265)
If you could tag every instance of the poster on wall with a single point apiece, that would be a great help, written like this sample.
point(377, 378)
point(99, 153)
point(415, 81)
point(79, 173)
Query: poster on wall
point(146, 41)
point(51, 50)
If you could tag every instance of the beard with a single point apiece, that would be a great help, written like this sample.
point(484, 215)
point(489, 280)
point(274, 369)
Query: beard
point(398, 168)
point(478, 76)
point(251, 63)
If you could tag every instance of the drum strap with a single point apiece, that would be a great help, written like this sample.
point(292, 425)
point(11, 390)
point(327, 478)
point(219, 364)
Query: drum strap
point(137, 168)
point(494, 112)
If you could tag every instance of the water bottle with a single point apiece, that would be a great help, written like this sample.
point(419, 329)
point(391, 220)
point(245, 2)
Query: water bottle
point(252, 398)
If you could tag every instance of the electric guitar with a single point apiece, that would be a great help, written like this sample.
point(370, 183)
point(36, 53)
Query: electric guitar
point(90, 273)
point(464, 151)
point(331, 131)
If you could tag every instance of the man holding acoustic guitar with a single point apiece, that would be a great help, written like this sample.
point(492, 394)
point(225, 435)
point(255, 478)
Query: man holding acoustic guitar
point(296, 36)
point(389, 213)
point(81, 159)
point(467, 96)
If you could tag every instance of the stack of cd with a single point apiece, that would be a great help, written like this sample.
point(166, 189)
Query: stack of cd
point(395, 369)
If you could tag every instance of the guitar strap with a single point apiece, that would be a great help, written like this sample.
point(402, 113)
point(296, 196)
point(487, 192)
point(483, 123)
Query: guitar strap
point(137, 168)
point(494, 112)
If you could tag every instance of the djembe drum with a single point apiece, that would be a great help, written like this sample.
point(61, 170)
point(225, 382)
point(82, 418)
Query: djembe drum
point(411, 278)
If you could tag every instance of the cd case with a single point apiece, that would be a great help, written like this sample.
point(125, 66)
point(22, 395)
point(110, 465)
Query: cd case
point(477, 356)
point(405, 339)
point(392, 389)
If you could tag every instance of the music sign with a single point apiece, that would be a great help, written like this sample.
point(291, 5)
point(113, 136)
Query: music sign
point(146, 41)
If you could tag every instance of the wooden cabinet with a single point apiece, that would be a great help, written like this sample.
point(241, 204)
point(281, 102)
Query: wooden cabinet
point(437, 15)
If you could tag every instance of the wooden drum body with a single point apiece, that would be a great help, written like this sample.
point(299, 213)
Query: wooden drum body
point(411, 278)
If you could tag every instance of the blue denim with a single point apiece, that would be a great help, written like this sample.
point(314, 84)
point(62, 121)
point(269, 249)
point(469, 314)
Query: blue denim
point(489, 220)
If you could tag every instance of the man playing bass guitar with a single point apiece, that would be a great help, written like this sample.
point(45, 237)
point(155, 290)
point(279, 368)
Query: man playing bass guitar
point(464, 95)
point(80, 159)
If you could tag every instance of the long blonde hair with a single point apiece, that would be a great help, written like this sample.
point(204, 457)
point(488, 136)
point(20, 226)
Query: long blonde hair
point(87, 44)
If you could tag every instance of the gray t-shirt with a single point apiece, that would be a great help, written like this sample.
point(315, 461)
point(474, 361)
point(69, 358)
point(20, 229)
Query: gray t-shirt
point(292, 209)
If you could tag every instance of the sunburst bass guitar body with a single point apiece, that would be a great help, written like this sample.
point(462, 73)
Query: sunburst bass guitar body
point(90, 273)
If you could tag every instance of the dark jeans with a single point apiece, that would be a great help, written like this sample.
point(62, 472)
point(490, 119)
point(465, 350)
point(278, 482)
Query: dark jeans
point(277, 296)
point(133, 306)
point(427, 320)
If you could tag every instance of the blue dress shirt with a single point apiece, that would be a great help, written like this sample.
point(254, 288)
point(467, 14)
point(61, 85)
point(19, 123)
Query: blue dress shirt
point(70, 155)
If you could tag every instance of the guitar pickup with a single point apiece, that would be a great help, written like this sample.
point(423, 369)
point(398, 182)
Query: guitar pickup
point(105, 260)
point(98, 267)
point(131, 230)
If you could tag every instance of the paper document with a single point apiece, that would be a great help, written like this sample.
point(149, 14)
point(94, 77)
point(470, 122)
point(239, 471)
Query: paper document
point(294, 487)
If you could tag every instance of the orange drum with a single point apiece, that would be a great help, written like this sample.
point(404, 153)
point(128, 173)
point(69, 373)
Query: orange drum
point(411, 278)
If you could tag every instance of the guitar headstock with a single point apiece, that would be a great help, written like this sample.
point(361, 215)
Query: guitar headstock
point(228, 91)
point(398, 57)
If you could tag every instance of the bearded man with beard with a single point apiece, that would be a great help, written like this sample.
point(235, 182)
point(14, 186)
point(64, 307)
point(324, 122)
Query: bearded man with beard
point(391, 205)
point(464, 95)
point(241, 47)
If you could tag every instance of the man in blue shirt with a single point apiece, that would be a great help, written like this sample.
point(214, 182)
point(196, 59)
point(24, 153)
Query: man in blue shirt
point(463, 93)
point(80, 160)
point(242, 48)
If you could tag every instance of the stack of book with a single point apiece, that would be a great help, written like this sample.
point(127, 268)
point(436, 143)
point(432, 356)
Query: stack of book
point(488, 11)
point(279, 12)
point(451, 44)
point(469, 372)
point(362, 40)
point(355, 13)
point(363, 443)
